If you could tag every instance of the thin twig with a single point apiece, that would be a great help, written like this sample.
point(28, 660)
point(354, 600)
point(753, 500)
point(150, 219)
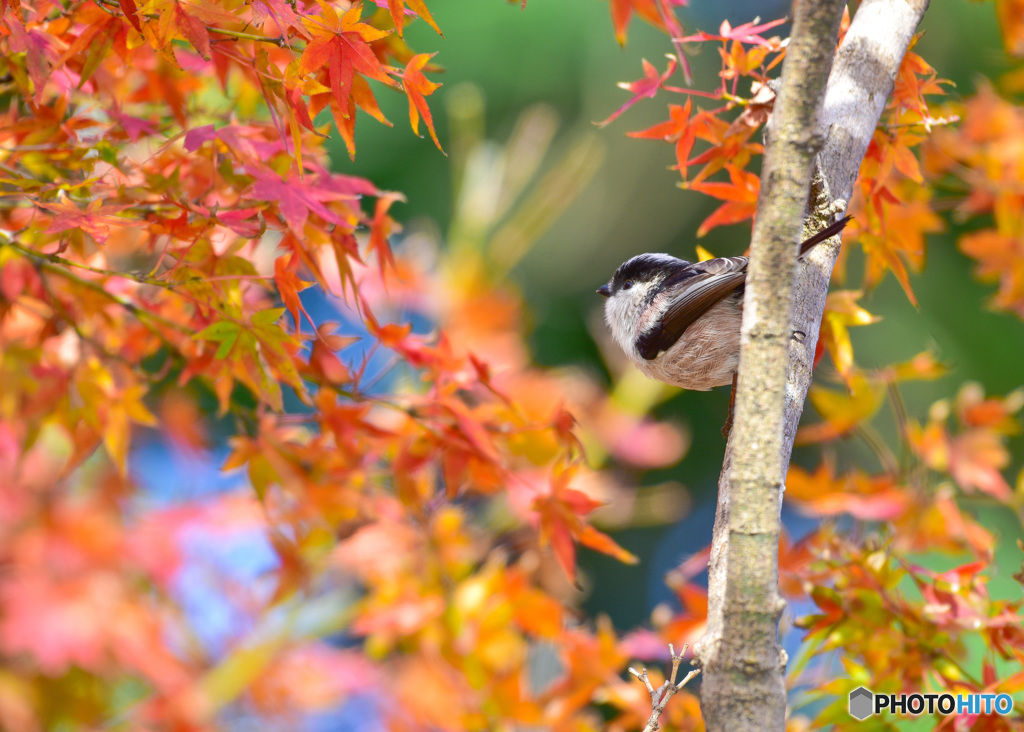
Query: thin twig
point(146, 317)
point(661, 695)
point(275, 40)
point(885, 456)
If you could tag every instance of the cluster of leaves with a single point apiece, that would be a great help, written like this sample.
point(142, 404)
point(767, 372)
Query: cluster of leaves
point(980, 158)
point(891, 207)
point(902, 627)
point(897, 626)
point(164, 201)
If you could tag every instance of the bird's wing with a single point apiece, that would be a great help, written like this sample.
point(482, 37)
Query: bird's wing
point(691, 293)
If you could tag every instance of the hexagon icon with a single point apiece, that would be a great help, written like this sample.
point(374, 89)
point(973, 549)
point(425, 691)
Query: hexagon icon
point(861, 703)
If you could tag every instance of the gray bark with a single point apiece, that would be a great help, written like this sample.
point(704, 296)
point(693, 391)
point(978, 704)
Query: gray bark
point(743, 664)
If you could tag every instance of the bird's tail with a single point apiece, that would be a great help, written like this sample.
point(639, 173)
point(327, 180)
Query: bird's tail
point(826, 233)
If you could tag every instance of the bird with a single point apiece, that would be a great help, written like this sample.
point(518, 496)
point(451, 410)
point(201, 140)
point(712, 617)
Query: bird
point(679, 321)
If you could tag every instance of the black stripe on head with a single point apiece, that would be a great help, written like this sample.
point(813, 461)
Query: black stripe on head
point(644, 268)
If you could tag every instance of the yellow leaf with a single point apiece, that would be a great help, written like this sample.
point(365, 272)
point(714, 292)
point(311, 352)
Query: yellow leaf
point(116, 435)
point(842, 410)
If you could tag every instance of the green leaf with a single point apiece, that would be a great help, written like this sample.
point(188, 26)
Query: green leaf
point(267, 317)
point(224, 331)
point(218, 331)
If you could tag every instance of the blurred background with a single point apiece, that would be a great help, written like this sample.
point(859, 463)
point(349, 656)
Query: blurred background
point(620, 198)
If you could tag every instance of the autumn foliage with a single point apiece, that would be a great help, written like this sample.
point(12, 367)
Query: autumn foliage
point(404, 493)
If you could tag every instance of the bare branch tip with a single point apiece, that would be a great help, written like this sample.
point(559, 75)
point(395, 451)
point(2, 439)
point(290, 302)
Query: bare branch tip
point(686, 679)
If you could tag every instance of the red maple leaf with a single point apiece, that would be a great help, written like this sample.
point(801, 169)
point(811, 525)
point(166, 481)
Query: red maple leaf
point(342, 46)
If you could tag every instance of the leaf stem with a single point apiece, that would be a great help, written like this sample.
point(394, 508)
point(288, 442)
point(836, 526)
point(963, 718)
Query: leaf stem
point(276, 40)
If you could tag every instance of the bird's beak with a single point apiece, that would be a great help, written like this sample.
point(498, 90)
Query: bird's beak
point(603, 291)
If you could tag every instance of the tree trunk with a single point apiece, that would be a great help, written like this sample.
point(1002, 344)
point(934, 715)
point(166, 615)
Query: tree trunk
point(743, 664)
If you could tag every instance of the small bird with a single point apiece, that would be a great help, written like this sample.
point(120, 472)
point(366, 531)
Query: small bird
point(679, 321)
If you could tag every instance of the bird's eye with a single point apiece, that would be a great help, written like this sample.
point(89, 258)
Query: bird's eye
point(627, 284)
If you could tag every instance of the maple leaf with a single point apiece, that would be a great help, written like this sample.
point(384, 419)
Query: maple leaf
point(283, 15)
point(922, 366)
point(677, 130)
point(755, 113)
point(842, 411)
point(730, 145)
point(622, 11)
point(381, 227)
point(39, 52)
point(1011, 25)
point(95, 219)
point(976, 455)
point(645, 88)
point(823, 494)
point(341, 45)
point(296, 198)
point(362, 97)
point(842, 312)
point(223, 332)
point(746, 33)
point(999, 259)
point(197, 136)
point(976, 460)
point(113, 400)
point(892, 230)
point(193, 29)
point(289, 286)
point(740, 196)
point(131, 13)
point(417, 86)
point(134, 127)
point(397, 10)
point(915, 80)
point(323, 358)
point(561, 513)
point(974, 410)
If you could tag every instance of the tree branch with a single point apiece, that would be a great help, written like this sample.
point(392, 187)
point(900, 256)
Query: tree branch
point(661, 695)
point(743, 663)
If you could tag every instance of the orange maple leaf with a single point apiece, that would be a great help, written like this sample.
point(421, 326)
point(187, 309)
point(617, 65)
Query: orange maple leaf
point(1011, 25)
point(622, 12)
point(561, 514)
point(417, 86)
point(740, 196)
point(397, 10)
point(676, 130)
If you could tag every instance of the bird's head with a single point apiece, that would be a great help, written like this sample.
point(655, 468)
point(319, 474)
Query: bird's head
point(633, 287)
point(637, 278)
